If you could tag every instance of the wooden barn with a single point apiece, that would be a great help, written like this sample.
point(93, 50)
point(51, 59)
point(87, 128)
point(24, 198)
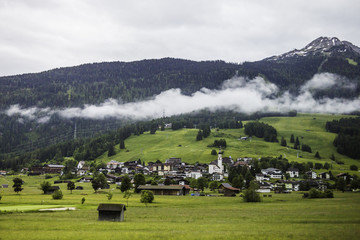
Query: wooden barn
point(177, 190)
point(228, 190)
point(111, 212)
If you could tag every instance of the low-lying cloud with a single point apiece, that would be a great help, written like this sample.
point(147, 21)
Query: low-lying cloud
point(238, 94)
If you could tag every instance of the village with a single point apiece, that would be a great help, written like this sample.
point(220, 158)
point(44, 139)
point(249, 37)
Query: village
point(174, 177)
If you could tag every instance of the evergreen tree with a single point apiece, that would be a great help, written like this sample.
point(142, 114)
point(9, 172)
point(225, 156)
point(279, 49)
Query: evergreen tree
point(238, 182)
point(317, 155)
point(111, 150)
point(292, 139)
point(199, 135)
point(283, 142)
point(139, 179)
point(125, 184)
point(122, 144)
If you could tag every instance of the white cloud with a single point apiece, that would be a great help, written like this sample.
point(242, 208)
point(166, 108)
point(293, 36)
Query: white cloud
point(238, 94)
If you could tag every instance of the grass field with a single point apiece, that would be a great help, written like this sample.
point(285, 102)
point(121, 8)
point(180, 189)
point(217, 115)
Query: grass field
point(284, 216)
point(310, 128)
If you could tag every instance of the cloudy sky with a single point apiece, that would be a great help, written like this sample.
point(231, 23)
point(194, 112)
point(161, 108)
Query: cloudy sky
point(37, 35)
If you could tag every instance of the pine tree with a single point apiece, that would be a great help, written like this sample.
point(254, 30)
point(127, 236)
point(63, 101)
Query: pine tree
point(199, 136)
point(292, 139)
point(283, 142)
point(111, 150)
point(122, 144)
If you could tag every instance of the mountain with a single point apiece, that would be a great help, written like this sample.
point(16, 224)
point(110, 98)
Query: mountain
point(322, 46)
point(141, 80)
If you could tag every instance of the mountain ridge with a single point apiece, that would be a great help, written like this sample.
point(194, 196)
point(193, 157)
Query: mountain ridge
point(326, 46)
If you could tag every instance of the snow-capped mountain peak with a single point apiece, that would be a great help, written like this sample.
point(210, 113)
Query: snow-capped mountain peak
point(320, 46)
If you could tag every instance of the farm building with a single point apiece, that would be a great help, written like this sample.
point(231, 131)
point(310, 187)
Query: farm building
point(111, 212)
point(228, 190)
point(166, 190)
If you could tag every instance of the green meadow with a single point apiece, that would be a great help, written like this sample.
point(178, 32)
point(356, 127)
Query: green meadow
point(283, 216)
point(310, 128)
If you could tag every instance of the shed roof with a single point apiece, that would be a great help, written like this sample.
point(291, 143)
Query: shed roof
point(111, 207)
point(228, 186)
point(161, 187)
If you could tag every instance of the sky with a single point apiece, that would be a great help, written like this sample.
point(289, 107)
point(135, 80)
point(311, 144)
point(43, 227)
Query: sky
point(38, 35)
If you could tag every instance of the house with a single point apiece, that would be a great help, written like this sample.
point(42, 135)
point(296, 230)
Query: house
point(228, 190)
point(194, 174)
point(5, 185)
point(272, 172)
point(259, 177)
point(176, 190)
point(264, 187)
point(324, 175)
point(86, 179)
point(311, 174)
point(345, 176)
point(111, 212)
point(81, 164)
point(174, 161)
point(293, 172)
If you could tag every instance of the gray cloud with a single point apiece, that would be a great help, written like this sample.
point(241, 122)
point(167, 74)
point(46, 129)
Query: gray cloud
point(43, 34)
point(238, 94)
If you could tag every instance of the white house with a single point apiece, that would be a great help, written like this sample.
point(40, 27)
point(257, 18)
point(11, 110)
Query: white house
point(293, 172)
point(259, 177)
point(81, 164)
point(272, 172)
point(311, 174)
point(194, 174)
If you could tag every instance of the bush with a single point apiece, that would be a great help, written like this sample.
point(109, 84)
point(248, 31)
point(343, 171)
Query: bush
point(250, 194)
point(213, 152)
point(314, 193)
point(354, 168)
point(48, 176)
point(83, 200)
point(147, 196)
point(57, 195)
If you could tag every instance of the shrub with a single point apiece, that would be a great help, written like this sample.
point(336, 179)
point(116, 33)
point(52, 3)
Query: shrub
point(353, 168)
point(83, 200)
point(57, 195)
point(213, 152)
point(250, 194)
point(109, 195)
point(45, 186)
point(147, 196)
point(314, 193)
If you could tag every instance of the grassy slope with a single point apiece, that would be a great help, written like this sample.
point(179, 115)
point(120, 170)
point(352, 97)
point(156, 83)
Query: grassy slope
point(309, 128)
point(284, 216)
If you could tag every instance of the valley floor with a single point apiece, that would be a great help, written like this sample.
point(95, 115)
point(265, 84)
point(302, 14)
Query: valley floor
point(283, 216)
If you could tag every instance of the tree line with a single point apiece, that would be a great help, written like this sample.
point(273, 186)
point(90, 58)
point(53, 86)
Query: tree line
point(347, 141)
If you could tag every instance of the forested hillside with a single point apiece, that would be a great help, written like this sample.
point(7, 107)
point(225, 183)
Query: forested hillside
point(128, 81)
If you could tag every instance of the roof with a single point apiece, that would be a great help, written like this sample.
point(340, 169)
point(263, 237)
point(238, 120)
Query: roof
point(111, 207)
point(293, 169)
point(161, 187)
point(55, 166)
point(228, 186)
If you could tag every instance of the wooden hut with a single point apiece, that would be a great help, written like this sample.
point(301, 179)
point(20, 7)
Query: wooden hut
point(111, 212)
point(165, 189)
point(228, 190)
